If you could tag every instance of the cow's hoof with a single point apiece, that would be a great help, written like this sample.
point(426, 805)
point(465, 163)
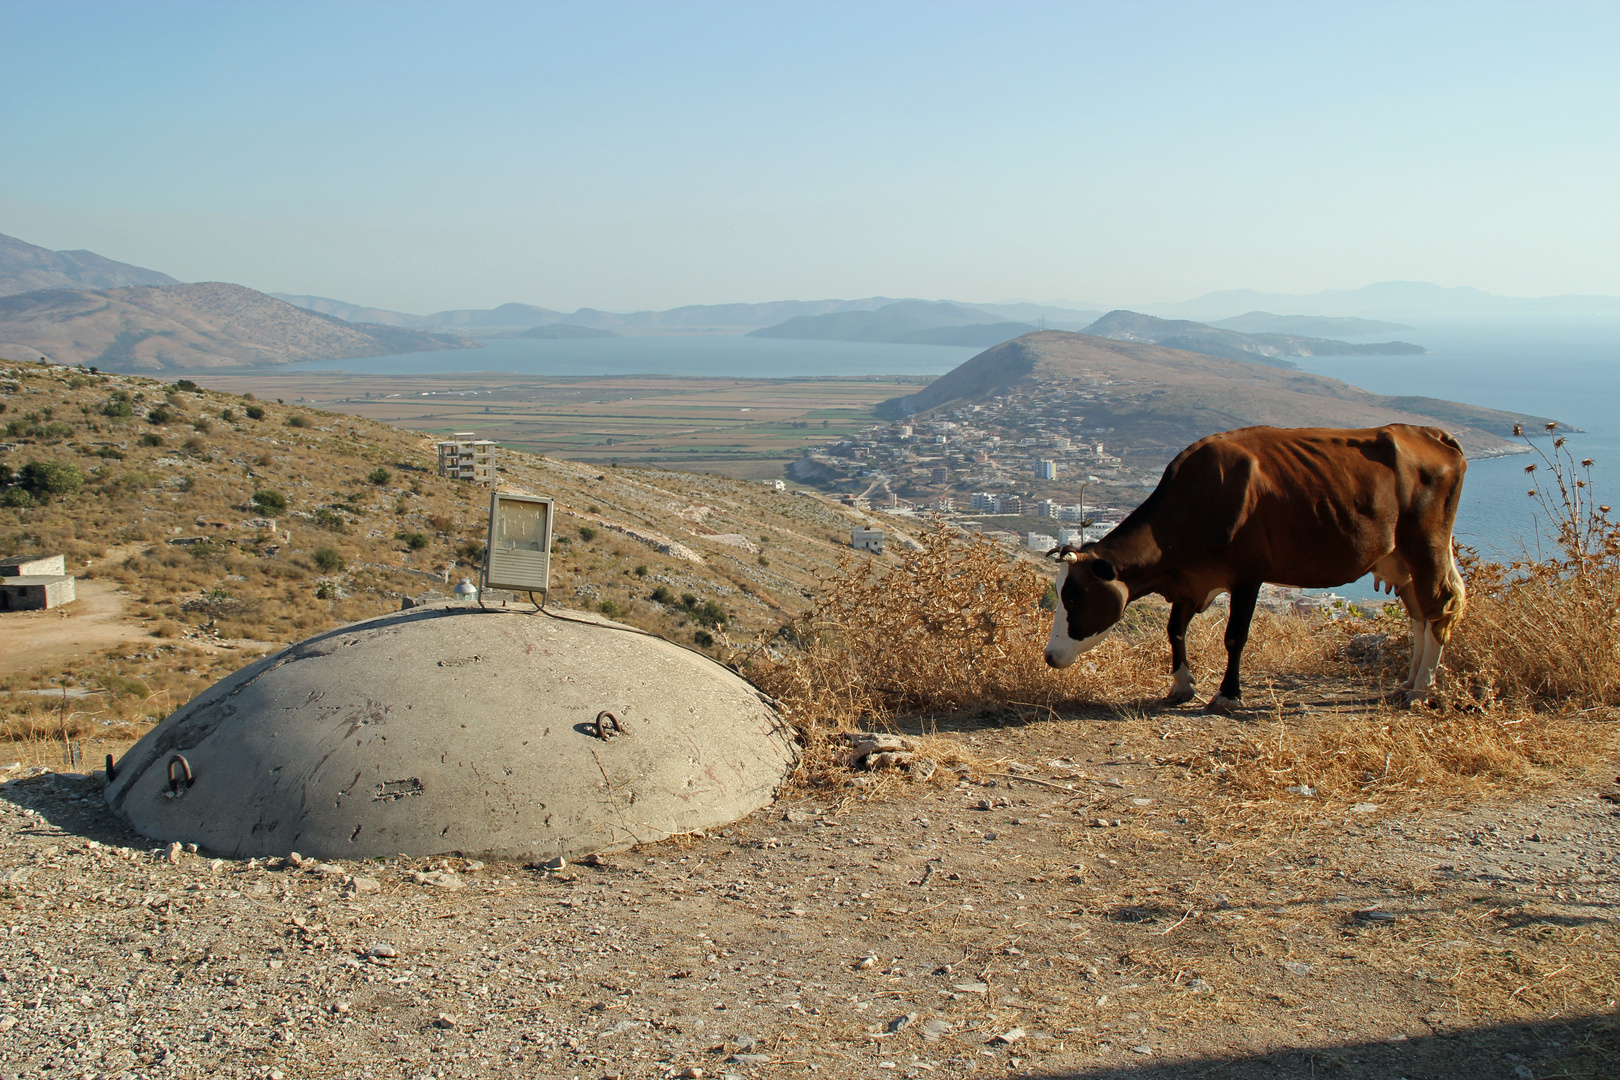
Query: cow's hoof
point(1179, 697)
point(1404, 684)
point(1222, 706)
point(1416, 697)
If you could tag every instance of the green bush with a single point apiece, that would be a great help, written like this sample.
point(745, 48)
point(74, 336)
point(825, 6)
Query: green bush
point(118, 407)
point(298, 420)
point(227, 415)
point(255, 412)
point(379, 476)
point(159, 415)
point(703, 638)
point(327, 560)
point(331, 522)
point(151, 438)
point(270, 501)
point(46, 478)
point(414, 540)
point(186, 385)
point(661, 595)
point(586, 533)
point(16, 497)
point(610, 609)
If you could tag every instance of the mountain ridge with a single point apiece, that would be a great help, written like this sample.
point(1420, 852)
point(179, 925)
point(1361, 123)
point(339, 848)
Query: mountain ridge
point(26, 268)
point(188, 327)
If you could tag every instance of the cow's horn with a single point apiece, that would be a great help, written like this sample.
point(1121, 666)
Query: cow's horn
point(1071, 556)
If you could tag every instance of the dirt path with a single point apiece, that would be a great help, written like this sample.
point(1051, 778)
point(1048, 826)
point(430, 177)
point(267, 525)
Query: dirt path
point(1070, 918)
point(95, 621)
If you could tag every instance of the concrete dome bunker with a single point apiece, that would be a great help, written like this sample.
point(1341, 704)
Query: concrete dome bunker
point(457, 729)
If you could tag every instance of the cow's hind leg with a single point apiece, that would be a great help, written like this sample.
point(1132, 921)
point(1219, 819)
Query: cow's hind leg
point(1237, 636)
point(1438, 599)
point(1181, 684)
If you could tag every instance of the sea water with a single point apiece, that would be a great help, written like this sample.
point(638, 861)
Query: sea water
point(731, 356)
point(1566, 368)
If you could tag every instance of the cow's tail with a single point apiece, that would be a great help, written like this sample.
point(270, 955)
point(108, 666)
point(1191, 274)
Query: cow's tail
point(1453, 597)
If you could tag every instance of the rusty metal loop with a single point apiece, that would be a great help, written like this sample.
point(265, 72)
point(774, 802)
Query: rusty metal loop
point(606, 720)
point(175, 780)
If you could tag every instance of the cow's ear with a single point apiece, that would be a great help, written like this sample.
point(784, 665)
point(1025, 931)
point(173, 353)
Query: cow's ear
point(1103, 569)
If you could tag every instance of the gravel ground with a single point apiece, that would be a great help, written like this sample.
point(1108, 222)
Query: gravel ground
point(1069, 917)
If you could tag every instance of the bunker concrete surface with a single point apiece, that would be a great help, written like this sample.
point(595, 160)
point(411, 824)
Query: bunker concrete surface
point(498, 733)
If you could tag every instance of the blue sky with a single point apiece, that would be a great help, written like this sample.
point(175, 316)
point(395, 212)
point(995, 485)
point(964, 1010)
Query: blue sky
point(644, 155)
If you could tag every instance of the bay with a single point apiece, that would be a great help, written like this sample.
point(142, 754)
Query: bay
point(731, 356)
point(1563, 367)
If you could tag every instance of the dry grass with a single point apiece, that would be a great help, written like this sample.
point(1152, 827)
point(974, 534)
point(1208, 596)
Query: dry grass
point(1545, 633)
point(957, 628)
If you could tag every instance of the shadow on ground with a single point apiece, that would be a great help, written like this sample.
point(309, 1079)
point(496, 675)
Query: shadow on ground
point(1578, 1048)
point(71, 805)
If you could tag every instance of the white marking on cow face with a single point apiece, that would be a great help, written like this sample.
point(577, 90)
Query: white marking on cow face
point(1061, 649)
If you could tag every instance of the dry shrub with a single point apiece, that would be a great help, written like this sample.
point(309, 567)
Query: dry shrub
point(1545, 633)
point(957, 626)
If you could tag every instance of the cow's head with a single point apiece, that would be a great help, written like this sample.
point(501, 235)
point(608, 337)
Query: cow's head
point(1091, 598)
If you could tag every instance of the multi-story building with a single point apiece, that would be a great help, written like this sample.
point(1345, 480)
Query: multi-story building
point(1046, 469)
point(463, 457)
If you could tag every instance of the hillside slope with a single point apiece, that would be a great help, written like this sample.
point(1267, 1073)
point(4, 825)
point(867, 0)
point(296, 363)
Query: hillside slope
point(192, 327)
point(26, 267)
point(1149, 393)
point(166, 512)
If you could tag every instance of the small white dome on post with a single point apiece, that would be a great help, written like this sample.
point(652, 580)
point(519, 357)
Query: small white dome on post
point(466, 590)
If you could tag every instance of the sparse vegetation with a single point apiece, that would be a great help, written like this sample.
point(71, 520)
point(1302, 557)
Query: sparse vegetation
point(379, 476)
point(269, 501)
point(327, 560)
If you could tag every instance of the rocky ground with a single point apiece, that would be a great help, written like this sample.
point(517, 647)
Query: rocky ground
point(1068, 910)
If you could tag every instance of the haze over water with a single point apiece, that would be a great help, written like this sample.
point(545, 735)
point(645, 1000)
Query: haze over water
point(1566, 368)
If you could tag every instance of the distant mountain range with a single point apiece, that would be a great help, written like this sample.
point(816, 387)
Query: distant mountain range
point(692, 317)
point(918, 322)
point(140, 324)
point(1318, 326)
point(1152, 395)
point(210, 324)
point(905, 322)
point(1401, 299)
point(1270, 349)
point(27, 268)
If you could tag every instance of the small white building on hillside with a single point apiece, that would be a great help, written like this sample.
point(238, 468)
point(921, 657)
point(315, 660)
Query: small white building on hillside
point(866, 539)
point(35, 583)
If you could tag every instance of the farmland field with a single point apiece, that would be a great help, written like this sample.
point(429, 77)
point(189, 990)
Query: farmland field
point(743, 428)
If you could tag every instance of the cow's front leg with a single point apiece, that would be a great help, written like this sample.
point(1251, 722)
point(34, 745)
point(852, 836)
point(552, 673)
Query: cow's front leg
point(1237, 636)
point(1181, 680)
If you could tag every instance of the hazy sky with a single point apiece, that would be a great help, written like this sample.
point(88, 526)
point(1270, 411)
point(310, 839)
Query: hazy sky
point(425, 156)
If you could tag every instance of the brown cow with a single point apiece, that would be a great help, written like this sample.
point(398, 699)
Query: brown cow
point(1311, 507)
